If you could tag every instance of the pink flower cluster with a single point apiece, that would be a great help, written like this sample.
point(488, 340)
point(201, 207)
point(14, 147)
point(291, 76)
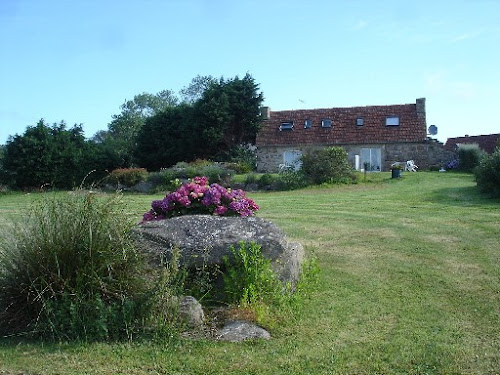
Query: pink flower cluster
point(198, 197)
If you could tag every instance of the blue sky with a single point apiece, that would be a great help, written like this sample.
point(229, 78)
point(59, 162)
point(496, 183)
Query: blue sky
point(79, 60)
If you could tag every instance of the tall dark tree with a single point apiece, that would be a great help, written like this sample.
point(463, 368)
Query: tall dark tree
point(228, 114)
point(167, 138)
point(46, 155)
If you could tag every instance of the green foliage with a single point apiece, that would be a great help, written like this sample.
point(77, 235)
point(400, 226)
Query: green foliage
point(169, 179)
point(123, 130)
point(469, 156)
point(162, 313)
point(194, 91)
point(69, 270)
point(167, 138)
point(328, 165)
point(251, 178)
point(290, 179)
point(216, 173)
point(488, 174)
point(248, 276)
point(227, 115)
point(266, 179)
point(245, 156)
point(46, 155)
point(128, 176)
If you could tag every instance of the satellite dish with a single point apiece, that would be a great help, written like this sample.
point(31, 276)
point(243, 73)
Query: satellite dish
point(433, 130)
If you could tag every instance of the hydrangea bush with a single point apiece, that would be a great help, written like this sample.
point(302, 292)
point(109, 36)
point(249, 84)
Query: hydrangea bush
point(198, 197)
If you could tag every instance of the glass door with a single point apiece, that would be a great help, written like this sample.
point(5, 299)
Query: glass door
point(371, 159)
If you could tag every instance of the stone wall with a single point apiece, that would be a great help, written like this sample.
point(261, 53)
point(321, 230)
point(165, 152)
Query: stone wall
point(425, 154)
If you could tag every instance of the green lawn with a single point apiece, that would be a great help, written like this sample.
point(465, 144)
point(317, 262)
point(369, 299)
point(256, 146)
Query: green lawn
point(410, 283)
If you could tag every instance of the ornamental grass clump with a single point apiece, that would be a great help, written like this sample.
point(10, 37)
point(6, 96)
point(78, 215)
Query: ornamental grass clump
point(70, 270)
point(198, 197)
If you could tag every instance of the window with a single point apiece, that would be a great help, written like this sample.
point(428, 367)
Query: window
point(326, 123)
point(286, 125)
point(392, 121)
point(360, 121)
point(307, 124)
point(291, 159)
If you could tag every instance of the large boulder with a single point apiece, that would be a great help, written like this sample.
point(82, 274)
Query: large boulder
point(205, 238)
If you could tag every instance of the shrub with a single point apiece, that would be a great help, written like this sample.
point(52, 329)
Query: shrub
point(128, 176)
point(248, 276)
point(470, 156)
point(251, 178)
point(70, 271)
point(198, 197)
point(488, 174)
point(216, 173)
point(251, 284)
point(290, 179)
point(329, 164)
point(266, 179)
point(245, 155)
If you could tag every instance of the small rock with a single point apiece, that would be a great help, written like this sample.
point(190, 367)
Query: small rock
point(238, 331)
point(191, 311)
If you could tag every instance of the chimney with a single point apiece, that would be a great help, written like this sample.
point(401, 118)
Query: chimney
point(421, 106)
point(265, 113)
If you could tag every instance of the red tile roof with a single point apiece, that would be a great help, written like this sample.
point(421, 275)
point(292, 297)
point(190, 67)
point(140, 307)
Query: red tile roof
point(485, 142)
point(411, 128)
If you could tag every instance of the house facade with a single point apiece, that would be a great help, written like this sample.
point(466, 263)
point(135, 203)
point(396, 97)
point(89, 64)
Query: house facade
point(373, 136)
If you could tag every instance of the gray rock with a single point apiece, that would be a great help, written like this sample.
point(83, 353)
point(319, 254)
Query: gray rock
point(191, 311)
point(207, 239)
point(238, 331)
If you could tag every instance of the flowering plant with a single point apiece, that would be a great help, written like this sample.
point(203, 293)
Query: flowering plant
point(198, 197)
point(453, 164)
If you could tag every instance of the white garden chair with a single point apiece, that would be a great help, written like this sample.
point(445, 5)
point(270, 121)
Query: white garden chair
point(411, 166)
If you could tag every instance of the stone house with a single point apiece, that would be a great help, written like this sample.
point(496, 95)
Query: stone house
point(375, 136)
point(485, 142)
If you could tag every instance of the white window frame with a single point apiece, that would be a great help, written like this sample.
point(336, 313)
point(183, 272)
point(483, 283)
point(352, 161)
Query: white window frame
point(308, 124)
point(286, 125)
point(325, 121)
point(392, 121)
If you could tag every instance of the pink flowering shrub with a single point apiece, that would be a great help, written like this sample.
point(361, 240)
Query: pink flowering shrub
point(198, 197)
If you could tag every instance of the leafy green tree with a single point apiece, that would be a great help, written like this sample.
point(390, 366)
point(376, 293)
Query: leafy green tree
point(228, 114)
point(194, 91)
point(46, 155)
point(123, 129)
point(167, 138)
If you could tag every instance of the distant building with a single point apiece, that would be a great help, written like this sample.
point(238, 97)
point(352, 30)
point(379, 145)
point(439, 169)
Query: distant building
point(379, 135)
point(485, 142)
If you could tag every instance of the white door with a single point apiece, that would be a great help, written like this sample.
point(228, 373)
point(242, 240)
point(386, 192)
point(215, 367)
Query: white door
point(371, 159)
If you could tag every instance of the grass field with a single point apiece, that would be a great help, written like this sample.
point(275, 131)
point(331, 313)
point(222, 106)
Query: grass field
point(410, 284)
